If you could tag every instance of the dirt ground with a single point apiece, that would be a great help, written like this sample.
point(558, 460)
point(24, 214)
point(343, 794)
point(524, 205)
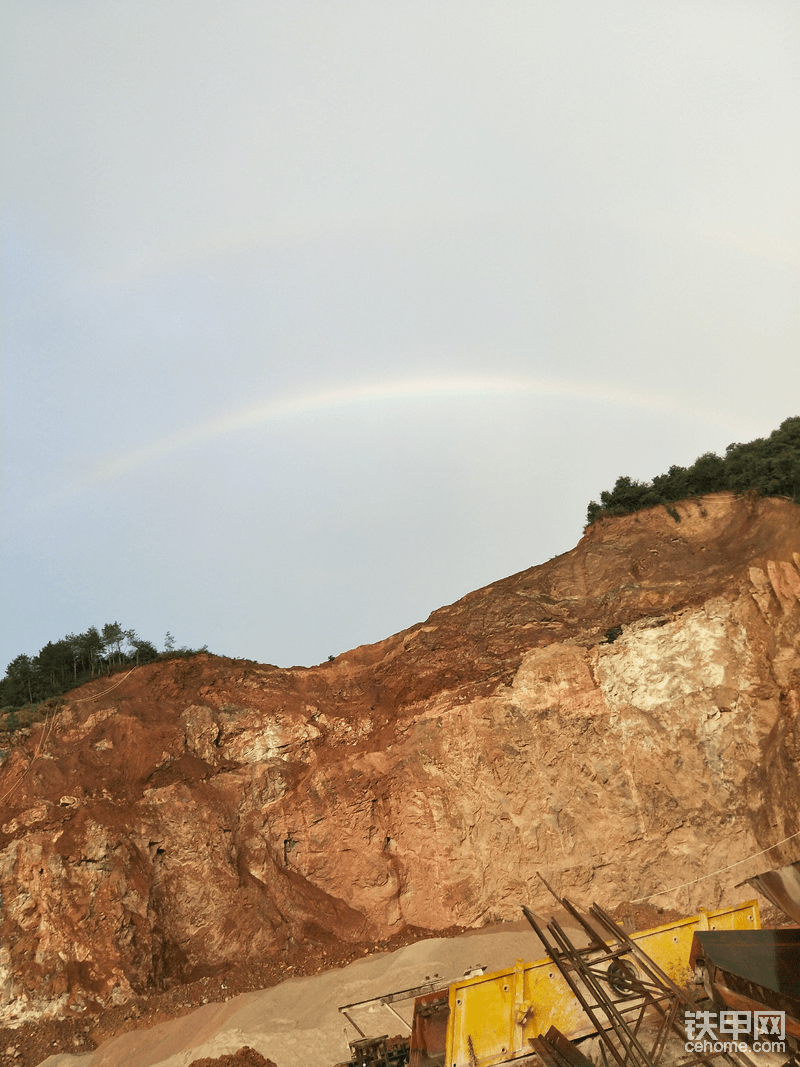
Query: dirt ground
point(298, 1017)
point(245, 1057)
point(34, 1044)
point(30, 1044)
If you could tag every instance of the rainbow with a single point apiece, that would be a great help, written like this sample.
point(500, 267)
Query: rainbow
point(268, 412)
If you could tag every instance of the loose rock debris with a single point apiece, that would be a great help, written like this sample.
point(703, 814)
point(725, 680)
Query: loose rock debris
point(245, 1057)
point(31, 1043)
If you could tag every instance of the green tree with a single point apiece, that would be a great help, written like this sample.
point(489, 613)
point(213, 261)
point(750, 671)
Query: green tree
point(112, 636)
point(144, 651)
point(17, 686)
point(60, 665)
point(54, 665)
point(707, 474)
point(769, 466)
point(91, 649)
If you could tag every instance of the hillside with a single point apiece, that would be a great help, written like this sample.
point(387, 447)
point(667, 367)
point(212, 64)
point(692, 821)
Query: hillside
point(623, 718)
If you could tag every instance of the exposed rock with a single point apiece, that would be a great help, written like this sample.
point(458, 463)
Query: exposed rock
point(623, 718)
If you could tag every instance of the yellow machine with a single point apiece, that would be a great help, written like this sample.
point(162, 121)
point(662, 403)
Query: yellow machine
point(489, 1019)
point(492, 1017)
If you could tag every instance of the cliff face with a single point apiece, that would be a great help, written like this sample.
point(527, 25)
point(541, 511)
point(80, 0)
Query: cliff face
point(199, 813)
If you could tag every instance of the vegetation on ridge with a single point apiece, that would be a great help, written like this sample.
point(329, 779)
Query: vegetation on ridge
point(77, 658)
point(769, 466)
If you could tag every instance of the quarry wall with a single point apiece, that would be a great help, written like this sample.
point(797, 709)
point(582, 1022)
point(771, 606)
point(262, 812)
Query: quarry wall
point(623, 718)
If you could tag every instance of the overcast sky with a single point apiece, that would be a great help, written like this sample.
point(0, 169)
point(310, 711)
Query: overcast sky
point(318, 315)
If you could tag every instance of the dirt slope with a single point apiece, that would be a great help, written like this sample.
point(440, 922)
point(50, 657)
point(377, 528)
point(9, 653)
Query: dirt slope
point(207, 814)
point(297, 1022)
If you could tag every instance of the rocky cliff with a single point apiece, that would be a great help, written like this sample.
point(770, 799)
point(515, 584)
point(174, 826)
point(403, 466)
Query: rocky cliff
point(623, 718)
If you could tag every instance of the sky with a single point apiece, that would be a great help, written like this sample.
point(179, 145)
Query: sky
point(318, 315)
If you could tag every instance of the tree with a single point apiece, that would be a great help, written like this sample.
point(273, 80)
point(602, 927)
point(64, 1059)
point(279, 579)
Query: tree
point(770, 466)
point(91, 649)
point(54, 663)
point(18, 682)
point(63, 664)
point(707, 474)
point(112, 636)
point(145, 651)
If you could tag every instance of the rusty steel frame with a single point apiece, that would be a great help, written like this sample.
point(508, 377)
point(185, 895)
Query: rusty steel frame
point(389, 998)
point(581, 969)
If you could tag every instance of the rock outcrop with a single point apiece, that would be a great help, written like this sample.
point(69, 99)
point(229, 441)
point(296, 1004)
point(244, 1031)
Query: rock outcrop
point(623, 719)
